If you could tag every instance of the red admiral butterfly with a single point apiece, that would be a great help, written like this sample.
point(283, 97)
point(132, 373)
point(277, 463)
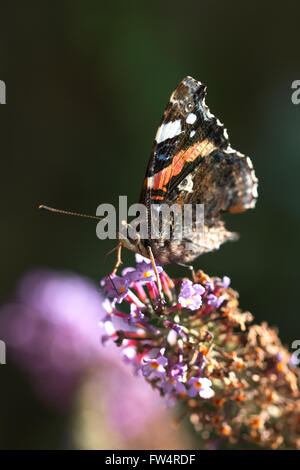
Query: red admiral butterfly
point(192, 162)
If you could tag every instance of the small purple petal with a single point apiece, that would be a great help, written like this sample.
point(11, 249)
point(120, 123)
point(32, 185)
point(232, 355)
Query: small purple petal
point(190, 295)
point(219, 301)
point(226, 282)
point(192, 392)
point(163, 361)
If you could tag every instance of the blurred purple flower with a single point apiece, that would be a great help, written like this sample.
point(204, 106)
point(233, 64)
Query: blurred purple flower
point(51, 328)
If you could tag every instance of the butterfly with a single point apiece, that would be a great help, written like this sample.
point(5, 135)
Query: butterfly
point(191, 163)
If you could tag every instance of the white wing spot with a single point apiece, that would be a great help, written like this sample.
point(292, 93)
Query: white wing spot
point(254, 191)
point(253, 175)
point(229, 149)
point(250, 164)
point(192, 133)
point(191, 118)
point(149, 182)
point(168, 130)
point(186, 184)
point(209, 114)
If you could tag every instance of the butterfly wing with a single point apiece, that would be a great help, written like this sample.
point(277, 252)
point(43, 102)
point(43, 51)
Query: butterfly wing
point(192, 160)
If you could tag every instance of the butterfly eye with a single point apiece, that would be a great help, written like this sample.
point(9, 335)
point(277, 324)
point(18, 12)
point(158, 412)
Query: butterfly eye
point(188, 107)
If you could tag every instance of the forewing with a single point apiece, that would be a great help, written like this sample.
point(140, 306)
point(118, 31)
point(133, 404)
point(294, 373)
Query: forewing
point(192, 160)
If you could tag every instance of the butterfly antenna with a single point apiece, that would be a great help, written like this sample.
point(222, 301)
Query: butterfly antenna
point(76, 214)
point(109, 253)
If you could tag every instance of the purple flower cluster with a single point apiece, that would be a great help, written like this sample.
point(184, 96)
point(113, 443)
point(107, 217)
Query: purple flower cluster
point(158, 343)
point(232, 379)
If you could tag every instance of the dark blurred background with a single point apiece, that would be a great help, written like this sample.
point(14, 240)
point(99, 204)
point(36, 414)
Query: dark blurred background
point(87, 82)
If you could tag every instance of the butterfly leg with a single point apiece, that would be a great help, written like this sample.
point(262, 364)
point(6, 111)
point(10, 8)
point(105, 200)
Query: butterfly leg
point(160, 293)
point(191, 268)
point(119, 260)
